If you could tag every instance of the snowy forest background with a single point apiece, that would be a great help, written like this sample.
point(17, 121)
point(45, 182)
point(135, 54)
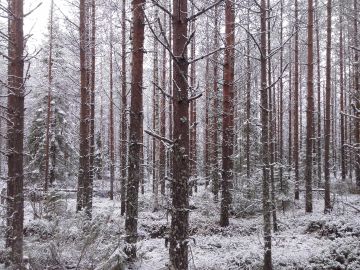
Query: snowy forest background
point(267, 176)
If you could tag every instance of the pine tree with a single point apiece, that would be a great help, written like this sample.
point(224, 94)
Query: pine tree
point(124, 126)
point(264, 96)
point(228, 114)
point(180, 168)
point(83, 196)
point(310, 108)
point(15, 133)
point(136, 128)
point(327, 110)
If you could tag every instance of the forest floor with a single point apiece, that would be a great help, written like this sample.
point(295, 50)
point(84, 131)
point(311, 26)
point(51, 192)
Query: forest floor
point(62, 239)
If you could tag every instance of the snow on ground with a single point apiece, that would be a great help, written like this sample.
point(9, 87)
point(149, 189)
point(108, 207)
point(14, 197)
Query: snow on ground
point(304, 241)
point(240, 246)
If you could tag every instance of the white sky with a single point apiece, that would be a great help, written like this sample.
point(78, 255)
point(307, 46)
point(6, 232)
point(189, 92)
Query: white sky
point(36, 22)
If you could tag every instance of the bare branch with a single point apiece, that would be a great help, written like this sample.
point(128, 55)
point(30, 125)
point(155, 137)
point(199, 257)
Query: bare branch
point(159, 40)
point(156, 136)
point(195, 97)
point(278, 79)
point(156, 3)
point(354, 48)
point(253, 38)
point(352, 206)
point(31, 11)
point(206, 55)
point(187, 43)
point(350, 115)
point(162, 91)
point(203, 10)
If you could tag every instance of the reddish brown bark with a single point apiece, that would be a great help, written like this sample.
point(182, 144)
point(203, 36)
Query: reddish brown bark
point(124, 127)
point(327, 111)
point(92, 101)
point(319, 121)
point(111, 117)
point(162, 159)
point(178, 249)
point(48, 117)
point(83, 177)
point(193, 124)
point(248, 99)
point(290, 130)
point(310, 108)
point(155, 120)
point(207, 148)
point(215, 111)
point(136, 128)
point(272, 123)
point(264, 97)
point(296, 103)
point(356, 94)
point(228, 113)
point(15, 134)
point(171, 107)
point(281, 108)
point(342, 95)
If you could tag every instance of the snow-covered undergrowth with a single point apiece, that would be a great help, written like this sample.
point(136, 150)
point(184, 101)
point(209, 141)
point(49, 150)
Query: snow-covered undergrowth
point(334, 244)
point(67, 240)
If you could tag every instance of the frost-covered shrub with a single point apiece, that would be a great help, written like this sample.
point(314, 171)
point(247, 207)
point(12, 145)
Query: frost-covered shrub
point(247, 197)
point(342, 254)
point(78, 243)
point(39, 229)
point(333, 229)
point(46, 205)
point(250, 262)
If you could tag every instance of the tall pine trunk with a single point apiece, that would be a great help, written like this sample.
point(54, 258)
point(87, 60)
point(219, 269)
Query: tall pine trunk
point(356, 94)
point(342, 94)
point(180, 168)
point(281, 109)
point(310, 108)
point(248, 98)
point(111, 116)
point(162, 159)
point(92, 101)
point(136, 128)
point(327, 111)
point(207, 147)
point(124, 127)
point(215, 108)
point(84, 168)
point(156, 118)
point(319, 120)
point(272, 123)
point(264, 97)
point(296, 103)
point(48, 116)
point(15, 133)
point(193, 124)
point(228, 113)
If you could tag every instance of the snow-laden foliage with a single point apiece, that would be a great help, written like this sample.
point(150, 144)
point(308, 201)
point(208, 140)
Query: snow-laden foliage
point(61, 154)
point(64, 239)
point(72, 241)
point(62, 127)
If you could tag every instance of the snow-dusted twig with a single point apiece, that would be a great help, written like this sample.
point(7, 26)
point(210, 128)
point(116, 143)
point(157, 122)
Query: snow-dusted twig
point(352, 206)
point(203, 10)
point(158, 137)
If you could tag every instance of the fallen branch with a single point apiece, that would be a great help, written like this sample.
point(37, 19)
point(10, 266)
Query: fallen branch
point(56, 189)
point(159, 137)
point(353, 207)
